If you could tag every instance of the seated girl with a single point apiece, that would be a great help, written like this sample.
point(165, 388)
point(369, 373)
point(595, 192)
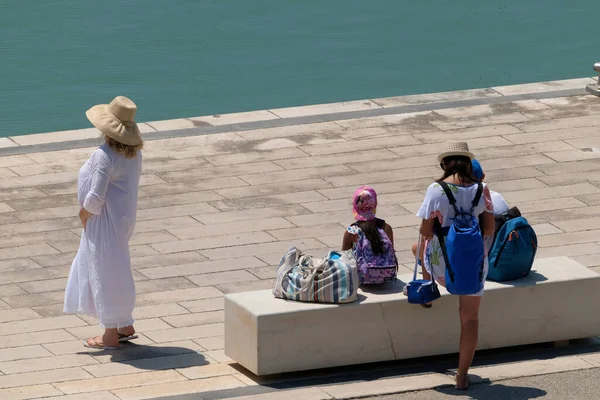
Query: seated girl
point(371, 240)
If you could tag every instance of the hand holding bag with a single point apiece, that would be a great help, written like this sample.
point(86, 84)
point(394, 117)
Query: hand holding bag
point(421, 291)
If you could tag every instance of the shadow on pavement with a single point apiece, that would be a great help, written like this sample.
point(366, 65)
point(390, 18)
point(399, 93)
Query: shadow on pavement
point(445, 364)
point(488, 391)
point(153, 357)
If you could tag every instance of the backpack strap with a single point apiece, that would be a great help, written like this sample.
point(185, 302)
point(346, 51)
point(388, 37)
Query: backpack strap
point(449, 195)
point(475, 202)
point(380, 223)
point(448, 192)
point(439, 232)
point(452, 199)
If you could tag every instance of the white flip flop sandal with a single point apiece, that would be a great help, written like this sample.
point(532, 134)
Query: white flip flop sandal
point(96, 345)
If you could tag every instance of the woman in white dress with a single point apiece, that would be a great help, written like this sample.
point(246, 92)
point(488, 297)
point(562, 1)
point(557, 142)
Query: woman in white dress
point(100, 281)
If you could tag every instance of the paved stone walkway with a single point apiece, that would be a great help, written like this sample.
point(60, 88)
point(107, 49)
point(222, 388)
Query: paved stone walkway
point(216, 212)
point(573, 385)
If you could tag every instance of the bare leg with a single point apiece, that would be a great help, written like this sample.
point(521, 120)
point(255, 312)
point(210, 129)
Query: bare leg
point(469, 334)
point(110, 337)
point(426, 275)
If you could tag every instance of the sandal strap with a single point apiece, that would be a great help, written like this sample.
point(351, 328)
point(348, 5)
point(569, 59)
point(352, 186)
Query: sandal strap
point(94, 342)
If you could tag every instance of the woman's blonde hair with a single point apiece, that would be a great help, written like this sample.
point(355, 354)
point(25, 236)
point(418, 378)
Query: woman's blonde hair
point(123, 149)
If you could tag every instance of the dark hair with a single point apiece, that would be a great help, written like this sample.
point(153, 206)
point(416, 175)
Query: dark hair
point(460, 166)
point(371, 231)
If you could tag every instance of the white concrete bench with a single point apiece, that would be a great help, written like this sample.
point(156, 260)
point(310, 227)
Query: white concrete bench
point(559, 300)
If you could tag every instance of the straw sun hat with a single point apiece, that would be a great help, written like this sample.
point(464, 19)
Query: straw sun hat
point(116, 120)
point(454, 148)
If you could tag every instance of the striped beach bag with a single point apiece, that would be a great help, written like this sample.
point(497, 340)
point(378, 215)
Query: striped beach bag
point(301, 277)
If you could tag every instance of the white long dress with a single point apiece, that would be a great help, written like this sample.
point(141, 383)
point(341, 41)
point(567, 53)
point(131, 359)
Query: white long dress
point(100, 281)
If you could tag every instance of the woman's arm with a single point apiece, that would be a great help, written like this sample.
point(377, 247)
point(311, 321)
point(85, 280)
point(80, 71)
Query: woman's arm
point(488, 224)
point(100, 178)
point(427, 228)
point(430, 210)
point(486, 220)
point(84, 215)
point(347, 241)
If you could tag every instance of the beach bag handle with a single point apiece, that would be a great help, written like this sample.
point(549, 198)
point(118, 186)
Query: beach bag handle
point(305, 262)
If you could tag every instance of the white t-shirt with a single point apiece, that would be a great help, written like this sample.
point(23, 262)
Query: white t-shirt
point(500, 205)
point(436, 203)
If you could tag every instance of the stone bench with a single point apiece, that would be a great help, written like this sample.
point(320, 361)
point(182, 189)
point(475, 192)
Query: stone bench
point(559, 300)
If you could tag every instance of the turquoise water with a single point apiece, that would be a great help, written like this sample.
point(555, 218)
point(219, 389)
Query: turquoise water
point(183, 58)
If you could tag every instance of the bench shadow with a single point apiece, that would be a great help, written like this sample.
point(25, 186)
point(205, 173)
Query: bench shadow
point(532, 279)
point(386, 288)
point(480, 389)
point(536, 277)
point(443, 364)
point(152, 358)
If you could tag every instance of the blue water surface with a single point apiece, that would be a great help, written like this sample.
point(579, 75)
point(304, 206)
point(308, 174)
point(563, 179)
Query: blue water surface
point(184, 58)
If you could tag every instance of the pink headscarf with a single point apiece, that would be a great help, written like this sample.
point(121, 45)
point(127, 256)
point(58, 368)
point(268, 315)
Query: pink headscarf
point(364, 203)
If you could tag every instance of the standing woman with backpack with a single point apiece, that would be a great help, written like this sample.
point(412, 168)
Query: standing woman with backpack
point(456, 243)
point(371, 240)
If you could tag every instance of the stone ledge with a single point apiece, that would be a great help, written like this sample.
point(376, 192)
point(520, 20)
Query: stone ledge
point(261, 331)
point(193, 126)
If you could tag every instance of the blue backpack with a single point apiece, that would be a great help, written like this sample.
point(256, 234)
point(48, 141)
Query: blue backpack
point(462, 247)
point(514, 248)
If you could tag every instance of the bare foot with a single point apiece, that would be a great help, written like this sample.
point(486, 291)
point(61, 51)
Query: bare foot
point(462, 381)
point(126, 331)
point(98, 343)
